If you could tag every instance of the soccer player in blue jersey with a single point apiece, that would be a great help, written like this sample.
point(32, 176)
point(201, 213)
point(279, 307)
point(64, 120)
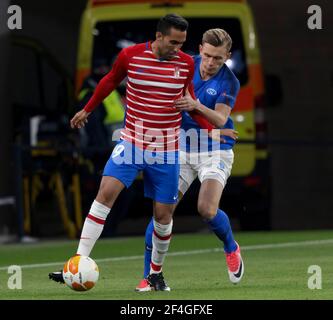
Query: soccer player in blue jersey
point(216, 89)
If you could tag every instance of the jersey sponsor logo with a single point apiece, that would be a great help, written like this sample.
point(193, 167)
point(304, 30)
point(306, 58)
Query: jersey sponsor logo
point(117, 150)
point(211, 91)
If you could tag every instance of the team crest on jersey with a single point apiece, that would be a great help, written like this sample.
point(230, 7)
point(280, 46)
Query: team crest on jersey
point(211, 91)
point(177, 72)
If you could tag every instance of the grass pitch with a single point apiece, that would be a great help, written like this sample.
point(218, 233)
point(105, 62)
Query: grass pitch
point(276, 267)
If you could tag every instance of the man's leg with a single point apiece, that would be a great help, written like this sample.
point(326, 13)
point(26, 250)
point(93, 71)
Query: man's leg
point(149, 243)
point(161, 237)
point(109, 190)
point(94, 223)
point(144, 285)
point(208, 207)
point(148, 248)
point(116, 176)
point(218, 221)
point(186, 177)
point(161, 185)
point(162, 221)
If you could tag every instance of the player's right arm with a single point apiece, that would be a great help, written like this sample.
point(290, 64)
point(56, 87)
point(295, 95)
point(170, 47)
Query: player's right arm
point(103, 89)
point(188, 103)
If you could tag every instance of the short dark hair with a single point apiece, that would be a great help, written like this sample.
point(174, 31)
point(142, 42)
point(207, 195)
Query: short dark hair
point(169, 21)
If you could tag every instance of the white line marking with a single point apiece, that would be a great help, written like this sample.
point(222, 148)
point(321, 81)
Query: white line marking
point(185, 253)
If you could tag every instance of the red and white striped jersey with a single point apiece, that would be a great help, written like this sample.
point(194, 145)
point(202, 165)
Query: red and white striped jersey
point(151, 122)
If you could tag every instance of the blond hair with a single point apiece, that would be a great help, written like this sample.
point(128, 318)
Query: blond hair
point(217, 37)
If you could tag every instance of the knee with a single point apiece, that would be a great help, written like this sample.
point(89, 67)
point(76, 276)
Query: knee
point(163, 216)
point(104, 197)
point(109, 190)
point(206, 209)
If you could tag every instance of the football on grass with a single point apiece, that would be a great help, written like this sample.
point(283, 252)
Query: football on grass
point(80, 273)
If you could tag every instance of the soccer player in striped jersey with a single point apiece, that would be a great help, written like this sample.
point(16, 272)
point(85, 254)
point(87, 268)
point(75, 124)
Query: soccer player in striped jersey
point(158, 74)
point(216, 88)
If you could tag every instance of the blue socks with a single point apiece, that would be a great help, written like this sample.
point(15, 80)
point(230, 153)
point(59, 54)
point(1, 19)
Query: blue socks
point(148, 248)
point(220, 224)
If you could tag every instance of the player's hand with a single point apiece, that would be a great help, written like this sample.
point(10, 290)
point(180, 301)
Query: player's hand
point(186, 103)
point(80, 119)
point(216, 134)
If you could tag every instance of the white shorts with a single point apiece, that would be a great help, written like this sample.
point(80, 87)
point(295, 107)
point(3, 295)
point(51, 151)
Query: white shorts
point(215, 165)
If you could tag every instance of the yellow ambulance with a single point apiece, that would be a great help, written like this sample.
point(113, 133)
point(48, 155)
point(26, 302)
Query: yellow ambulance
point(107, 26)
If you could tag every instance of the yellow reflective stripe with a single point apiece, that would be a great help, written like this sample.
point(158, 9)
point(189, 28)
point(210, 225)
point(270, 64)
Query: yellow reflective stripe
point(114, 108)
point(112, 104)
point(83, 92)
point(261, 154)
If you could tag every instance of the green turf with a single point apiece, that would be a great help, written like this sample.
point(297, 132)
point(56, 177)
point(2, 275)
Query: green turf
point(275, 273)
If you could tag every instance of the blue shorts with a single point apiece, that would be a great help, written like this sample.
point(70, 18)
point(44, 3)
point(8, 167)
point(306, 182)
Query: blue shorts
point(160, 177)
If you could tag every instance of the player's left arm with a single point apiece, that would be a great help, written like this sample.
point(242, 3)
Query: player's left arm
point(217, 117)
point(224, 105)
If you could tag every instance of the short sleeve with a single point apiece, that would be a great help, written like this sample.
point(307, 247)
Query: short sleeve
point(229, 92)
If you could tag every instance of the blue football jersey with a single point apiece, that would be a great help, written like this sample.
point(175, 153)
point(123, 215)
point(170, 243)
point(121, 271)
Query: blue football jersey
point(221, 88)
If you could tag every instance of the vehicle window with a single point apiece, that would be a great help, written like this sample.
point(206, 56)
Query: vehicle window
point(111, 36)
